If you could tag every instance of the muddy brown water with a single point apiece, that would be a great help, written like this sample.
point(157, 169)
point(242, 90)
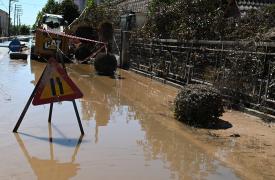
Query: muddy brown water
point(129, 126)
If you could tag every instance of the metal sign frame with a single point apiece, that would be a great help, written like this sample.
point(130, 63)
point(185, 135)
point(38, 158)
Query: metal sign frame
point(53, 66)
point(51, 104)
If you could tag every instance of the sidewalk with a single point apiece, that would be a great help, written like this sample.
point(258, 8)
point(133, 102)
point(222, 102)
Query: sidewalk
point(248, 146)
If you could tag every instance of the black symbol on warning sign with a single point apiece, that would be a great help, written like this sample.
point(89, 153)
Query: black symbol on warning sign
point(57, 81)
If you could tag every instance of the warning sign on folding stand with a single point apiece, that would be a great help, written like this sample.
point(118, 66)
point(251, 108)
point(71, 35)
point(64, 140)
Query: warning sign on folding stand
point(55, 86)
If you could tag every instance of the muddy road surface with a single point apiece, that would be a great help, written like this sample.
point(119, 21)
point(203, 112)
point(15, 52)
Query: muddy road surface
point(130, 132)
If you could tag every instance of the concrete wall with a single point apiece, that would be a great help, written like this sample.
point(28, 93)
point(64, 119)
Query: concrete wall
point(140, 6)
point(4, 22)
point(245, 5)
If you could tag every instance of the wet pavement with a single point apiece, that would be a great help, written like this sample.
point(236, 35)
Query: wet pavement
point(130, 132)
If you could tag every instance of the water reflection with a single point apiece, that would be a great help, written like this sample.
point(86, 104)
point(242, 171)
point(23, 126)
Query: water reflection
point(100, 93)
point(101, 96)
point(103, 102)
point(147, 103)
point(185, 160)
point(159, 138)
point(51, 168)
point(166, 139)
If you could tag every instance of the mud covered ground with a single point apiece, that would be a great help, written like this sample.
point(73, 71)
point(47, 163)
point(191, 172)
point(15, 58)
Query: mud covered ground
point(247, 146)
point(130, 132)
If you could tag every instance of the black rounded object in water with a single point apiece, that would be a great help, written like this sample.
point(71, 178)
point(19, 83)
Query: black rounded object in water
point(33, 55)
point(82, 52)
point(18, 56)
point(105, 64)
point(106, 31)
point(86, 32)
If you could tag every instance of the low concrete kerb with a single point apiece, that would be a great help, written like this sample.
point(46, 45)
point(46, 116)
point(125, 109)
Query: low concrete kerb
point(264, 116)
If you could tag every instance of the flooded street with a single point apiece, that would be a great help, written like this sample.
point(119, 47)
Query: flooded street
point(130, 132)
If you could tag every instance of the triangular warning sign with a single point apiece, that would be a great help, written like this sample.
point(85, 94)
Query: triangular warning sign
point(55, 86)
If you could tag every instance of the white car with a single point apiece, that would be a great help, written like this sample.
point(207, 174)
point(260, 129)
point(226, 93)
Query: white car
point(53, 22)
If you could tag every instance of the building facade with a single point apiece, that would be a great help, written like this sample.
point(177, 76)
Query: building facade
point(142, 5)
point(245, 5)
point(139, 6)
point(4, 23)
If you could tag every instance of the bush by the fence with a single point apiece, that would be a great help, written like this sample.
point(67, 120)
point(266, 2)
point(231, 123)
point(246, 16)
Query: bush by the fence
point(198, 105)
point(105, 64)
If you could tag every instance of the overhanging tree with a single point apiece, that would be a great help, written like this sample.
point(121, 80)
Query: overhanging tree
point(24, 29)
point(69, 10)
point(51, 7)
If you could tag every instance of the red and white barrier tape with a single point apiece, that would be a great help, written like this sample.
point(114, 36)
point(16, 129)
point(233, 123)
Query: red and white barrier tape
point(93, 55)
point(70, 36)
point(104, 45)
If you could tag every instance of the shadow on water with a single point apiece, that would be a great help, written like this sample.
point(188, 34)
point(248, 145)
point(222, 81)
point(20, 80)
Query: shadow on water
point(51, 168)
point(64, 141)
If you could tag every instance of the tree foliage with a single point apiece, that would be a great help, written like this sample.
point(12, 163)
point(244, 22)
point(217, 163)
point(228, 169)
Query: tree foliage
point(183, 18)
point(51, 7)
point(69, 10)
point(254, 25)
point(94, 15)
point(22, 30)
point(89, 3)
point(204, 19)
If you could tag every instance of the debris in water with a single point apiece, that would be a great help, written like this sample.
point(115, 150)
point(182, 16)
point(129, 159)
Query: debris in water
point(2, 91)
point(8, 99)
point(235, 135)
point(213, 134)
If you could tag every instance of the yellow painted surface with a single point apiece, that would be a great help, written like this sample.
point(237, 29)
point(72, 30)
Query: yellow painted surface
point(46, 93)
point(45, 44)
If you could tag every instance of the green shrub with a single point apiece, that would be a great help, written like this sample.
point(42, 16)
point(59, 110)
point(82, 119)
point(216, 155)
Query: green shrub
point(198, 105)
point(204, 19)
point(105, 64)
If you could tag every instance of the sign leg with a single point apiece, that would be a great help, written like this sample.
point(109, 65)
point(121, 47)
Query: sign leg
point(27, 105)
point(24, 111)
point(51, 141)
point(78, 117)
point(50, 113)
point(77, 148)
